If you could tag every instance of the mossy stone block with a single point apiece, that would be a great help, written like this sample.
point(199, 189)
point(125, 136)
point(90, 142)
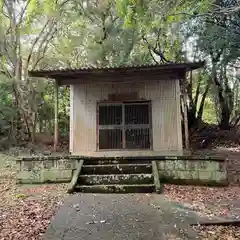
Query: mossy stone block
point(180, 165)
point(33, 176)
point(221, 166)
point(48, 164)
point(202, 165)
point(38, 165)
point(185, 175)
point(192, 165)
point(18, 165)
point(66, 164)
point(192, 175)
point(220, 176)
point(60, 164)
point(163, 173)
point(205, 175)
point(27, 165)
point(212, 166)
point(56, 175)
point(177, 174)
point(169, 165)
point(161, 165)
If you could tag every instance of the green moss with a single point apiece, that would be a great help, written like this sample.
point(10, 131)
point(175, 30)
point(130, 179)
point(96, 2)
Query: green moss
point(220, 176)
point(170, 164)
point(56, 175)
point(180, 164)
point(30, 176)
point(205, 175)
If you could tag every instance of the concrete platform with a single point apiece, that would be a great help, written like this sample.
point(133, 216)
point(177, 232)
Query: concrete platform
point(121, 216)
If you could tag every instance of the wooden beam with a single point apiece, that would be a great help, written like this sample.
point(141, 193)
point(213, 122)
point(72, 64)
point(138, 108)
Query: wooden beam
point(185, 114)
point(56, 130)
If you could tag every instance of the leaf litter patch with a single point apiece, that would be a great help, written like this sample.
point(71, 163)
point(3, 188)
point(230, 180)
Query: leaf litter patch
point(211, 202)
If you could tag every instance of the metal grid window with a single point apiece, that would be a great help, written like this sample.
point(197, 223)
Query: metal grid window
point(124, 125)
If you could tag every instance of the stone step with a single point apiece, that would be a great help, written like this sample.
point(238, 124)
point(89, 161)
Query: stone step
point(116, 161)
point(116, 169)
point(144, 188)
point(116, 179)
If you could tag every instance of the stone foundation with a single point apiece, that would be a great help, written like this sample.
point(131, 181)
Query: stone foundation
point(180, 170)
point(193, 171)
point(45, 169)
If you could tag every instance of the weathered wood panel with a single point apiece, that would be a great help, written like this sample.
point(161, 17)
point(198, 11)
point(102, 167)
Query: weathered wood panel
point(164, 96)
point(71, 119)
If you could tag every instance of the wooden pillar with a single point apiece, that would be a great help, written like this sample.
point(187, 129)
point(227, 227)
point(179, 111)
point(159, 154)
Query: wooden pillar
point(56, 104)
point(185, 114)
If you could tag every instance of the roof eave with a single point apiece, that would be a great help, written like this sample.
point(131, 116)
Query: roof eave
point(55, 74)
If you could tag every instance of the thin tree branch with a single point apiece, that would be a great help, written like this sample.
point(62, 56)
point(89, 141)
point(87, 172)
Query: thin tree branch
point(23, 12)
point(35, 42)
point(42, 50)
point(150, 50)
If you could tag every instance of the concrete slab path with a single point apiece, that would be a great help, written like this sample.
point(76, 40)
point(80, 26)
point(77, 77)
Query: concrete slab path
point(121, 216)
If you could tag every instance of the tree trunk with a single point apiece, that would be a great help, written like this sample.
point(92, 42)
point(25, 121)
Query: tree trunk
point(223, 101)
point(225, 117)
point(201, 108)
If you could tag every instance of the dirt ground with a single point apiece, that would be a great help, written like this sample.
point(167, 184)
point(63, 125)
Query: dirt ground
point(26, 211)
point(211, 202)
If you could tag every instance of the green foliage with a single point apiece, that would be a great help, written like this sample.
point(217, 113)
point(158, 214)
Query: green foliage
point(143, 12)
point(218, 39)
point(131, 11)
point(104, 33)
point(7, 112)
point(209, 114)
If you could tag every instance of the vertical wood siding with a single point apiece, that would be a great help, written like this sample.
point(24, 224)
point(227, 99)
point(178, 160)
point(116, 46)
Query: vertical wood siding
point(166, 118)
point(71, 120)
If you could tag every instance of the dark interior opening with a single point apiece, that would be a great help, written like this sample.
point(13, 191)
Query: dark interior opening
point(124, 126)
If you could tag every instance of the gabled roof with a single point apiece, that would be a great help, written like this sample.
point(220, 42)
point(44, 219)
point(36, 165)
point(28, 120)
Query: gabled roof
point(66, 76)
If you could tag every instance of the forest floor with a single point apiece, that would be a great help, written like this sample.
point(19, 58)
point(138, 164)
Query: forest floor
point(26, 211)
